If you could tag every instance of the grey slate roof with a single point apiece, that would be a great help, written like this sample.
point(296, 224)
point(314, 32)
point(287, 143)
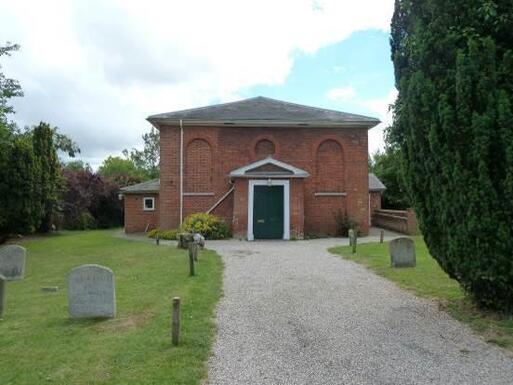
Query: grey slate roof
point(375, 185)
point(262, 110)
point(151, 186)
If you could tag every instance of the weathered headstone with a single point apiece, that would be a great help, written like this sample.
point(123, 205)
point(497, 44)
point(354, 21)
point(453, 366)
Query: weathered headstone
point(12, 262)
point(2, 296)
point(91, 292)
point(402, 252)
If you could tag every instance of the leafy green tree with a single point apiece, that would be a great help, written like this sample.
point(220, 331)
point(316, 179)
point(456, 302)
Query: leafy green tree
point(19, 211)
point(387, 166)
point(147, 160)
point(9, 88)
point(454, 125)
point(29, 166)
point(121, 171)
point(77, 165)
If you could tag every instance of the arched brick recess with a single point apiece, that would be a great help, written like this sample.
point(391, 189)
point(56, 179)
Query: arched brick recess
point(264, 148)
point(198, 167)
point(329, 162)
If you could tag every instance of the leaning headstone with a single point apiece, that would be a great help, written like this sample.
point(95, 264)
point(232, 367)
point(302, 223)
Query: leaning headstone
point(2, 296)
point(402, 252)
point(91, 292)
point(12, 262)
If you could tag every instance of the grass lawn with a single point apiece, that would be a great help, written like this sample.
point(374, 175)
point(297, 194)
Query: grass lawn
point(40, 344)
point(430, 281)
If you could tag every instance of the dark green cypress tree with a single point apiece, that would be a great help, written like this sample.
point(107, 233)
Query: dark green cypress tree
point(47, 183)
point(454, 124)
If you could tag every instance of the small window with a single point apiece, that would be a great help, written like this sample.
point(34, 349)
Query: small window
point(149, 204)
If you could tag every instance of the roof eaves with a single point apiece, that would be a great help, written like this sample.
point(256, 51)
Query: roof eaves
point(267, 123)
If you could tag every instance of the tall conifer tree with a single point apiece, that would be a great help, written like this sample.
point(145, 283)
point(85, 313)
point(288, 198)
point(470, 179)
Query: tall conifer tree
point(454, 124)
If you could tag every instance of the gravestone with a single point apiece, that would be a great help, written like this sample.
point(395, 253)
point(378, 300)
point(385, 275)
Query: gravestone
point(12, 262)
point(402, 252)
point(91, 292)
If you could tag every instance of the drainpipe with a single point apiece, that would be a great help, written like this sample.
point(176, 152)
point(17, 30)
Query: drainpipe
point(181, 172)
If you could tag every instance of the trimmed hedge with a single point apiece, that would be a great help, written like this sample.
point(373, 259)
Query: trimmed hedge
point(169, 235)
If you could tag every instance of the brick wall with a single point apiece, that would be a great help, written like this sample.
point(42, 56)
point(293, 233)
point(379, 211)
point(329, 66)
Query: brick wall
point(375, 201)
point(402, 221)
point(136, 219)
point(233, 147)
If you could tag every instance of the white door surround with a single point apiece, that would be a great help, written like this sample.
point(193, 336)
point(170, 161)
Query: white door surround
point(286, 204)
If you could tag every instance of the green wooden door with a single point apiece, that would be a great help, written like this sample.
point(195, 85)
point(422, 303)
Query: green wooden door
point(268, 212)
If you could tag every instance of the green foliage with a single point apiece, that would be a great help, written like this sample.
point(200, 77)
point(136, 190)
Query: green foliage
point(453, 124)
point(170, 235)
point(20, 213)
point(9, 88)
point(77, 165)
point(387, 166)
point(121, 171)
point(83, 221)
point(47, 183)
point(147, 161)
point(208, 225)
point(29, 166)
point(65, 144)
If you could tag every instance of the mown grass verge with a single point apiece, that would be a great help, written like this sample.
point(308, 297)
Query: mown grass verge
point(428, 280)
point(41, 344)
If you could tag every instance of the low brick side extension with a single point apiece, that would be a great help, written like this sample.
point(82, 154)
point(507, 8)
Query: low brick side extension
point(136, 219)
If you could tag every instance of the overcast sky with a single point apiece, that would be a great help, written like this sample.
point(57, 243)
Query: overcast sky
point(98, 68)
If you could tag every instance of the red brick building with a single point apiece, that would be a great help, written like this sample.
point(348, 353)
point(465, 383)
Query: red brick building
point(271, 169)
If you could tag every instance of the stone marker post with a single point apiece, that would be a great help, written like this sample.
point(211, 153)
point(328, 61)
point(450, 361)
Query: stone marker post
point(175, 324)
point(192, 250)
point(351, 236)
point(381, 236)
point(2, 296)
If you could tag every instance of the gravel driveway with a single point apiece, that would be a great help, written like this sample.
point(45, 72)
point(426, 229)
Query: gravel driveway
point(294, 314)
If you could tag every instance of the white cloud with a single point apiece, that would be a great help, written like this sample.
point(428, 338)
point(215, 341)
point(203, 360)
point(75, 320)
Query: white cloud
point(381, 108)
point(342, 94)
point(97, 68)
